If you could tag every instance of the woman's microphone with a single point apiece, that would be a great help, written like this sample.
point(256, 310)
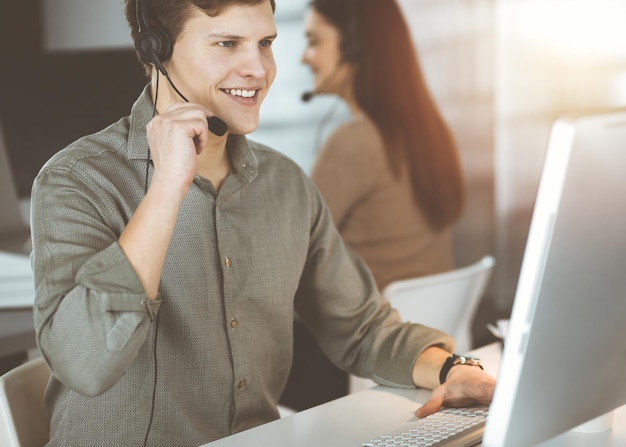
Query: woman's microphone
point(307, 96)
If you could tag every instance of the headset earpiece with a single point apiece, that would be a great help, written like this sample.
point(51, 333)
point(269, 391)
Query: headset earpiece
point(350, 50)
point(350, 46)
point(153, 43)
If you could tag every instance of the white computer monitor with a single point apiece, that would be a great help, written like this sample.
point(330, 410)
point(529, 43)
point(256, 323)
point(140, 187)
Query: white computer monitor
point(564, 359)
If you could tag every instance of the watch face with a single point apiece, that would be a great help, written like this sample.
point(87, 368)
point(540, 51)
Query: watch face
point(466, 360)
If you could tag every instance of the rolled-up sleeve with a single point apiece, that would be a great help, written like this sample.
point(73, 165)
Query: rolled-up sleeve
point(91, 313)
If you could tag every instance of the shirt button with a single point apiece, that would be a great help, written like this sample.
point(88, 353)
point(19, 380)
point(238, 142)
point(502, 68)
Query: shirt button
point(242, 383)
point(227, 262)
point(233, 323)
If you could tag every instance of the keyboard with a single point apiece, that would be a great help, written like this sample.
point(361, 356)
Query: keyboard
point(447, 427)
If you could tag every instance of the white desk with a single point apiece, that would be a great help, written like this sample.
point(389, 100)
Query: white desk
point(348, 421)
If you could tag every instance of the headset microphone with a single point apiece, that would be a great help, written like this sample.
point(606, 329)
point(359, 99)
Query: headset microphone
point(217, 126)
point(307, 96)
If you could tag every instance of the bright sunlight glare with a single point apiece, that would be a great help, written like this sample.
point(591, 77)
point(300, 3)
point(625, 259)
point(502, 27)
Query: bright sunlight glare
point(578, 28)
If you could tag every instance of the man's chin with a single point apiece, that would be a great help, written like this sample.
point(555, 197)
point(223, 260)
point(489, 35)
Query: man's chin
point(240, 128)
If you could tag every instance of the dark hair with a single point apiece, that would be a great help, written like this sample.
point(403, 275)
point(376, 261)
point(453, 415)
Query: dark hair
point(170, 15)
point(390, 88)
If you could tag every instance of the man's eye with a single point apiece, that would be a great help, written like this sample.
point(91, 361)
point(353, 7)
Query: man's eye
point(265, 43)
point(227, 43)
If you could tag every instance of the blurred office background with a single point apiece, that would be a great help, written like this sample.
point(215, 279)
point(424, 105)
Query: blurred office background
point(501, 71)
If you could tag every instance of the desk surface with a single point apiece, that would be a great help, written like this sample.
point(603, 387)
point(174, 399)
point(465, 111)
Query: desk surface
point(350, 420)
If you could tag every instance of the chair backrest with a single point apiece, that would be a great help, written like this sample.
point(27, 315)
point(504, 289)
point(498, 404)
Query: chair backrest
point(24, 420)
point(445, 301)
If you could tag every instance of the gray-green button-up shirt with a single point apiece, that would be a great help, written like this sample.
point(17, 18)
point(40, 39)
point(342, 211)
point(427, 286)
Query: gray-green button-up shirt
point(241, 261)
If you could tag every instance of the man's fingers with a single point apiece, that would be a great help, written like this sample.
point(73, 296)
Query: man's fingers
point(432, 405)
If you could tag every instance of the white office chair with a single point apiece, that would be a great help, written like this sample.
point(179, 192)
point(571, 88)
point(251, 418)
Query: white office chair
point(445, 301)
point(24, 420)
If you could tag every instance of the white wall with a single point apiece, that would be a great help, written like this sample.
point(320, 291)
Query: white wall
point(84, 25)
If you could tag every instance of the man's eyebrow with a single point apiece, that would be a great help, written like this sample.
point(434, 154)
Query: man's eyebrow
point(236, 37)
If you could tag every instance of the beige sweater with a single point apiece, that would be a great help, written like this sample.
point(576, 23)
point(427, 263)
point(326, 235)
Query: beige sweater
point(373, 210)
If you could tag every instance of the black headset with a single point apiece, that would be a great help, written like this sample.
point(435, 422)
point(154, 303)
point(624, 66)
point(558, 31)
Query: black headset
point(350, 47)
point(153, 45)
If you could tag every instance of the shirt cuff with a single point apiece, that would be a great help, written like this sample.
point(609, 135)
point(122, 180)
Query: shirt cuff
point(118, 287)
point(395, 368)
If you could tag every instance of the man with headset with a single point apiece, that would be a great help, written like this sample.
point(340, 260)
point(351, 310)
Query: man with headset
point(170, 253)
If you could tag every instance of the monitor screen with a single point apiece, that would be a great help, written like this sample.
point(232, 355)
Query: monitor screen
point(565, 353)
point(49, 99)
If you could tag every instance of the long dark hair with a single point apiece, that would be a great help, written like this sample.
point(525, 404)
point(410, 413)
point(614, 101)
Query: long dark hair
point(390, 88)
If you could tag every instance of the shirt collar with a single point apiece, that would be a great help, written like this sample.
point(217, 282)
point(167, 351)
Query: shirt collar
point(140, 115)
point(242, 157)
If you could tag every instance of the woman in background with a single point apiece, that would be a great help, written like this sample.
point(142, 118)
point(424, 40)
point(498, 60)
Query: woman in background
point(391, 175)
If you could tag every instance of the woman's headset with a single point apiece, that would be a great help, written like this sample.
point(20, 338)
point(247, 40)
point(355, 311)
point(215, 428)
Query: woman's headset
point(350, 46)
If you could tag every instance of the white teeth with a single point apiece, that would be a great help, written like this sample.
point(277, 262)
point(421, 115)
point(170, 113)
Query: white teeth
point(243, 93)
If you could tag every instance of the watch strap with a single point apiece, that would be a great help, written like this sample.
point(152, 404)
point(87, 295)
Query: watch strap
point(455, 360)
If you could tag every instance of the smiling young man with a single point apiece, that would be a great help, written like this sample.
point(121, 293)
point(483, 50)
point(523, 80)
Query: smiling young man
point(169, 260)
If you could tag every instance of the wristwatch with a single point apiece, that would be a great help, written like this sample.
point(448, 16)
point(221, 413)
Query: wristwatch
point(455, 360)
